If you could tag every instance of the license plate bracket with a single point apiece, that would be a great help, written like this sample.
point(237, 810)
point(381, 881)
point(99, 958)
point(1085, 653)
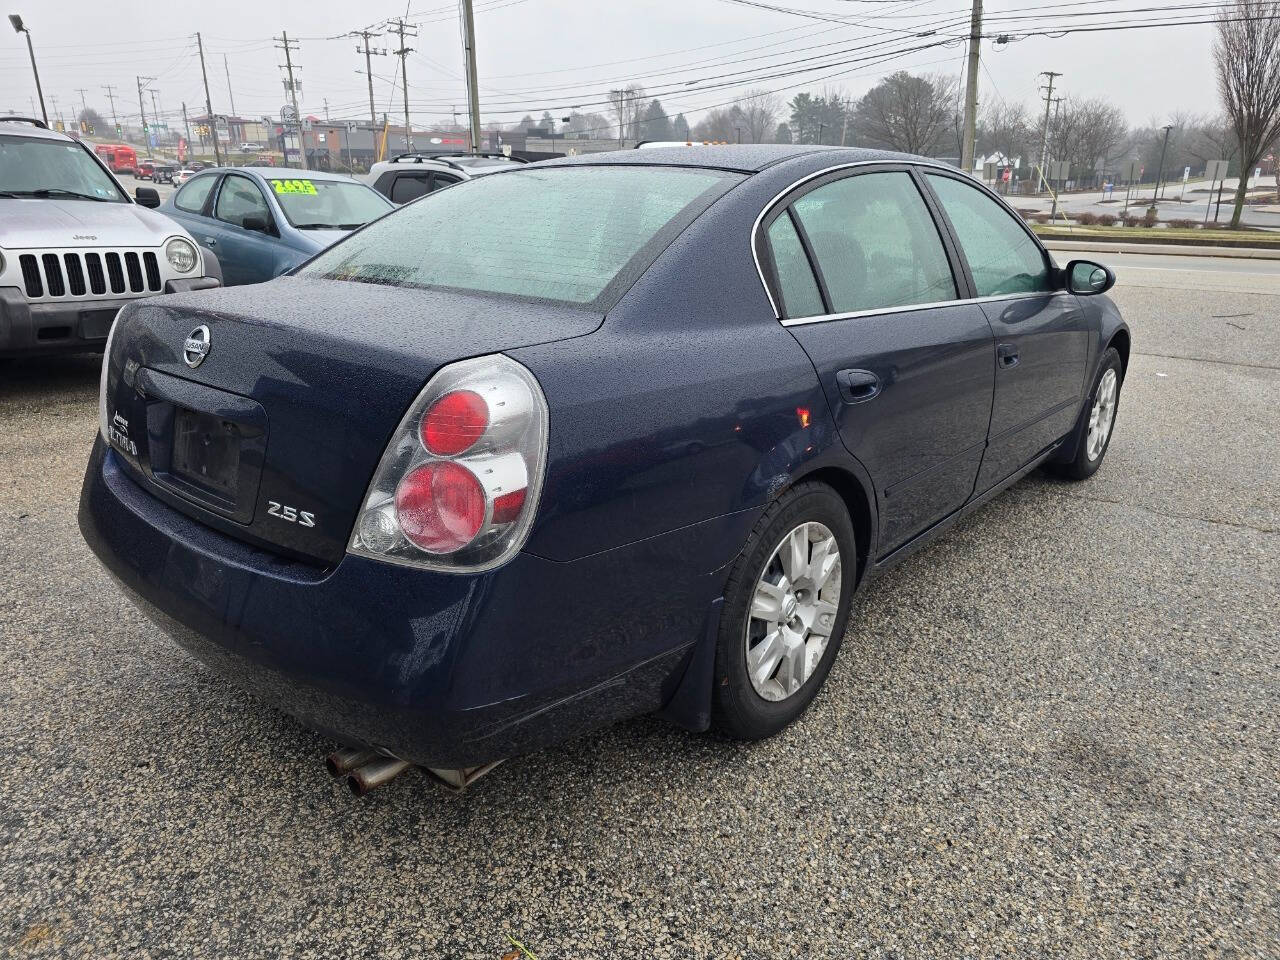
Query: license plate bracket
point(206, 452)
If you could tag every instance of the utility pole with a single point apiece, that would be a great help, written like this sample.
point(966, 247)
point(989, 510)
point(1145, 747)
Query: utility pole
point(401, 29)
point(288, 46)
point(208, 103)
point(54, 100)
point(326, 109)
point(142, 110)
point(971, 91)
point(1048, 105)
point(473, 85)
point(230, 96)
point(84, 108)
point(186, 125)
point(155, 114)
point(365, 35)
point(111, 96)
point(1160, 175)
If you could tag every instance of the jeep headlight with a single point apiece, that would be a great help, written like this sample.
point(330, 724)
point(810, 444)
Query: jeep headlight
point(181, 255)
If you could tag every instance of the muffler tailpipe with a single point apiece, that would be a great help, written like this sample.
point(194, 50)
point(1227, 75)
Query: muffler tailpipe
point(342, 762)
point(374, 774)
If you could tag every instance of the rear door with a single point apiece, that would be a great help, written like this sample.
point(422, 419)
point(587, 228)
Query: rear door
point(1041, 332)
point(872, 290)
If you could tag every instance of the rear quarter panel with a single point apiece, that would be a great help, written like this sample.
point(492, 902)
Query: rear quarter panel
point(690, 402)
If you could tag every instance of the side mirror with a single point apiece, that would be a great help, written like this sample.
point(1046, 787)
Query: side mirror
point(147, 197)
point(254, 222)
point(1087, 279)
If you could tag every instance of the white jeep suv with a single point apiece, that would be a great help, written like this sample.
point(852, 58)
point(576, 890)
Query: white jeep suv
point(74, 247)
point(411, 175)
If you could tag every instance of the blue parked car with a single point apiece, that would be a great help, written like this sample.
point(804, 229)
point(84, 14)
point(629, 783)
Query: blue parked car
point(599, 437)
point(263, 221)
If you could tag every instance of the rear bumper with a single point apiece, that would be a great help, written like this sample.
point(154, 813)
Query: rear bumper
point(438, 669)
point(66, 326)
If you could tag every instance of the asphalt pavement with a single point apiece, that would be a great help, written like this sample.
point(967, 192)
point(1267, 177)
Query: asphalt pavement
point(1053, 734)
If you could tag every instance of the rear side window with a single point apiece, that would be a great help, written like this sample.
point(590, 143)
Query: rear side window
point(573, 234)
point(410, 186)
point(800, 295)
point(193, 195)
point(875, 243)
point(1002, 256)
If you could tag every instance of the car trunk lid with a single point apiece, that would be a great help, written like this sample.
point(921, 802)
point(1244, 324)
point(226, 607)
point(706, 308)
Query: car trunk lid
point(263, 410)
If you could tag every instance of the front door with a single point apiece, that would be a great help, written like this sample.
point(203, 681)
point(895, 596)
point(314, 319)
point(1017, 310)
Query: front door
point(247, 255)
point(1041, 333)
point(872, 295)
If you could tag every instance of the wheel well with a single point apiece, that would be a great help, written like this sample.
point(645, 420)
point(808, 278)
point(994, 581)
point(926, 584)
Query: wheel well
point(1120, 340)
point(855, 498)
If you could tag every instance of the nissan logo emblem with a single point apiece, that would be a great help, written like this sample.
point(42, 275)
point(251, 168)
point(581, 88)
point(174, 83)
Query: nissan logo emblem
point(197, 346)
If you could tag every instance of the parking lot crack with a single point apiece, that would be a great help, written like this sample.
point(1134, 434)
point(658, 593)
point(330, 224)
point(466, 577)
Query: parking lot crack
point(1168, 515)
point(1228, 363)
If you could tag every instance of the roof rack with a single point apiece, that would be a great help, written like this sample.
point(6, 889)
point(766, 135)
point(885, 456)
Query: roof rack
point(32, 120)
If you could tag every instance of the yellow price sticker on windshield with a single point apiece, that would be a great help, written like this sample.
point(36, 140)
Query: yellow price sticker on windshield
point(294, 186)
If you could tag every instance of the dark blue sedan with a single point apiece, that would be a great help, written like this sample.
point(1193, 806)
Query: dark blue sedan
point(261, 222)
point(599, 437)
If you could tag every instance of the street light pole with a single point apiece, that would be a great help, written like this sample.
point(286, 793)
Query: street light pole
point(1160, 175)
point(19, 28)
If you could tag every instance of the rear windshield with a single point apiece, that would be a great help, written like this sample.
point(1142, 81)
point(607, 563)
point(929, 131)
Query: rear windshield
point(573, 234)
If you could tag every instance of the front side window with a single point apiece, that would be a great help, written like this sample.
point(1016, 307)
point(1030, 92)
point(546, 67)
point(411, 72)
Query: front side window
point(800, 295)
point(875, 243)
point(327, 204)
point(45, 168)
point(240, 198)
point(1002, 256)
point(192, 196)
point(576, 234)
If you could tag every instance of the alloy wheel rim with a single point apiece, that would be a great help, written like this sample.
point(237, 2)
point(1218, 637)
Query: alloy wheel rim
point(1103, 414)
point(793, 611)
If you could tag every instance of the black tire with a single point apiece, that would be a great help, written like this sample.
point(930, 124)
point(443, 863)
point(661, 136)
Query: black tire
point(738, 711)
point(1082, 466)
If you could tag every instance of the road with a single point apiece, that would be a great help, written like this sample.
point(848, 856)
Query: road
point(1053, 733)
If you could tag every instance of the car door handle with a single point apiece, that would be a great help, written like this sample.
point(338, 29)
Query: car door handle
point(857, 385)
point(1007, 355)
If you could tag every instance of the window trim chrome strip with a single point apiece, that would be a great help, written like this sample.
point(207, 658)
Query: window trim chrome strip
point(911, 307)
point(821, 318)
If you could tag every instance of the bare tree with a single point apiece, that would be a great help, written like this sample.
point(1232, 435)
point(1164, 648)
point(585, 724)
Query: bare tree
point(718, 125)
point(1087, 133)
point(1247, 56)
point(759, 112)
point(1003, 128)
point(908, 113)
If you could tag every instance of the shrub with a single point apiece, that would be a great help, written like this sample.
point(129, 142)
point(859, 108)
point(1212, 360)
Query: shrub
point(1106, 220)
point(1027, 214)
point(1087, 219)
point(1149, 218)
point(1181, 224)
point(1039, 217)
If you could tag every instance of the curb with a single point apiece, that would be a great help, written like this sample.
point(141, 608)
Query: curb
point(1165, 249)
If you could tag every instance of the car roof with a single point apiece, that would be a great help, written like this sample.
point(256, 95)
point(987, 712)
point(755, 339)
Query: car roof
point(743, 157)
point(285, 173)
point(20, 127)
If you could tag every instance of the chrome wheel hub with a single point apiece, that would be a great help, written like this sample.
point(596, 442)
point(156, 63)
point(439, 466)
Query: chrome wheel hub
point(793, 611)
point(1102, 416)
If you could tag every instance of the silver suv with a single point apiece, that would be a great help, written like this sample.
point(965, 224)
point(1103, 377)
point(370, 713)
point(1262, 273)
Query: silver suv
point(74, 247)
point(411, 175)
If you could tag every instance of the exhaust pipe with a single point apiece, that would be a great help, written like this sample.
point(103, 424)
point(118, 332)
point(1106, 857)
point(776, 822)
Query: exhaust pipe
point(374, 774)
point(342, 762)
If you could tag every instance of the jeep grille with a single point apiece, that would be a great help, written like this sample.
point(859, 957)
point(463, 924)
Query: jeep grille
point(78, 275)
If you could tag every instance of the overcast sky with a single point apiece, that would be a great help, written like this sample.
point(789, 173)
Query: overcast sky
point(561, 53)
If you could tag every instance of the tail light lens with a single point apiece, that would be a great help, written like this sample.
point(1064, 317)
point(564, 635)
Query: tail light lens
point(458, 486)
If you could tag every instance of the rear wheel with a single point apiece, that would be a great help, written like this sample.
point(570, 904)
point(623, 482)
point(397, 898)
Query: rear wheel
point(786, 608)
point(1093, 433)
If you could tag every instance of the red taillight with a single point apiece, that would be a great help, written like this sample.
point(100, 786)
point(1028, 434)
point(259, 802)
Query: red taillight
point(454, 423)
point(440, 506)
